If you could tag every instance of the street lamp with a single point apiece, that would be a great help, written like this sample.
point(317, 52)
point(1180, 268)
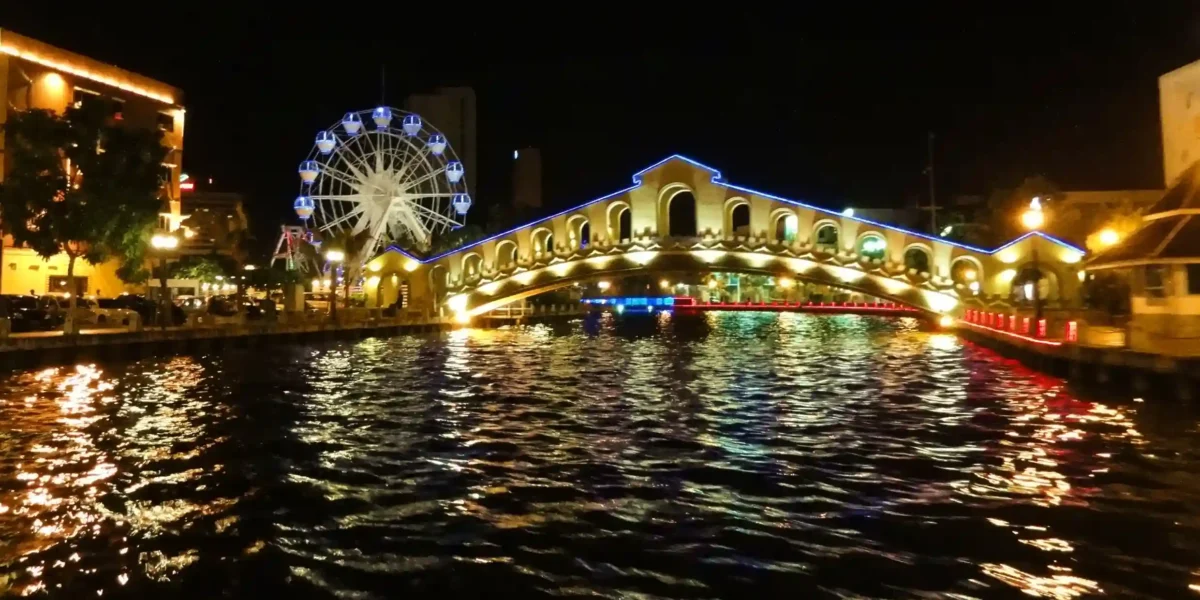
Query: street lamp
point(163, 244)
point(335, 257)
point(1033, 218)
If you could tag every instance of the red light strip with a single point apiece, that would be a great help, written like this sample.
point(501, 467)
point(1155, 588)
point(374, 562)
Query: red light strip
point(1011, 334)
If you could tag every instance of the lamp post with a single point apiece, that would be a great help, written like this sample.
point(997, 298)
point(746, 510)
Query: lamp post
point(335, 258)
point(163, 244)
point(1033, 218)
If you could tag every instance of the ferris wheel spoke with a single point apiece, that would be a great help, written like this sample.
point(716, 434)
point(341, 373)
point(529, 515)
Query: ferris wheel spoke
point(410, 167)
point(424, 178)
point(431, 214)
point(342, 219)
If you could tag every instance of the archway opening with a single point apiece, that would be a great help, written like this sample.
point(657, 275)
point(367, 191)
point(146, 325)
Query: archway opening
point(543, 241)
point(506, 254)
point(786, 228)
point(965, 272)
point(585, 234)
point(916, 258)
point(1028, 282)
point(827, 237)
point(625, 224)
point(873, 247)
point(681, 215)
point(472, 266)
point(739, 219)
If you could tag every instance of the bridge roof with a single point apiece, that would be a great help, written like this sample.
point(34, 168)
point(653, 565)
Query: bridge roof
point(719, 180)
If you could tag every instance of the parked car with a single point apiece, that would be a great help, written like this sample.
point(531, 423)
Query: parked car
point(144, 307)
point(25, 314)
point(87, 310)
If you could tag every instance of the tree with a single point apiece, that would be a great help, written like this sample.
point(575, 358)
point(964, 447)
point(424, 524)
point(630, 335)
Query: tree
point(105, 205)
point(202, 268)
point(353, 246)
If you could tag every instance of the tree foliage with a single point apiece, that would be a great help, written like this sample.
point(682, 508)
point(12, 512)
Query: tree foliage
point(80, 185)
point(203, 268)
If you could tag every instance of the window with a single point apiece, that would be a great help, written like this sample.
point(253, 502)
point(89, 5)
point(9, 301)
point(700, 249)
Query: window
point(1156, 281)
point(1193, 280)
point(82, 96)
point(166, 122)
point(58, 284)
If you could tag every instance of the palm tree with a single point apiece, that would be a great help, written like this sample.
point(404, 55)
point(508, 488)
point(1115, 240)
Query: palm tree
point(353, 246)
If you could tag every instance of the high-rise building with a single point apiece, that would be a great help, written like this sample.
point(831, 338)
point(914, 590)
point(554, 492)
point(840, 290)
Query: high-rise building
point(34, 74)
point(527, 178)
point(1179, 105)
point(452, 111)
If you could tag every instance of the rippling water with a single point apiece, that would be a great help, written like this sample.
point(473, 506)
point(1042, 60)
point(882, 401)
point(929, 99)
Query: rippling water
point(730, 456)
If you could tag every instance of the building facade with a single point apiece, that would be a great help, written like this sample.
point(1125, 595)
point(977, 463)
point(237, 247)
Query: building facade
point(210, 220)
point(452, 111)
point(527, 178)
point(1179, 109)
point(34, 74)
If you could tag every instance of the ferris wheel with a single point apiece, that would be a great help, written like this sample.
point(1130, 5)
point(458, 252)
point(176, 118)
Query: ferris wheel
point(398, 184)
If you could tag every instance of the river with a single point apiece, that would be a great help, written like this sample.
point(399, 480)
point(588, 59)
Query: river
point(736, 455)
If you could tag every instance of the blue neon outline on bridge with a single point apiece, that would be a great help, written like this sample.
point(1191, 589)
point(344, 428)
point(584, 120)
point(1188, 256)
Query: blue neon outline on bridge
point(718, 180)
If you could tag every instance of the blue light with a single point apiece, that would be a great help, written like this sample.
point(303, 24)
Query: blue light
point(411, 124)
point(717, 179)
point(461, 203)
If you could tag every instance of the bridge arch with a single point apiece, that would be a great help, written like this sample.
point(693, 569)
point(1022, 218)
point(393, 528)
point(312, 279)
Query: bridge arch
point(472, 266)
point(872, 245)
point(965, 269)
point(479, 299)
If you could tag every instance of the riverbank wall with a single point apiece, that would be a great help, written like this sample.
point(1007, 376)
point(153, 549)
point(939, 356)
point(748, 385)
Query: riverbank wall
point(27, 351)
point(1115, 370)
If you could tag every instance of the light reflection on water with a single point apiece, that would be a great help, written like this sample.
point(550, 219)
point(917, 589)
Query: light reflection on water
point(734, 455)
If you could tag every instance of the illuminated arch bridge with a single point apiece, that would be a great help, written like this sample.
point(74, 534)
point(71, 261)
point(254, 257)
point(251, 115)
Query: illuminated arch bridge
point(682, 216)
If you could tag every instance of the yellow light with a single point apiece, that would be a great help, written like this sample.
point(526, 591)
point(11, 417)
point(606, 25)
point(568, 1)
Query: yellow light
point(600, 261)
point(603, 285)
point(561, 269)
point(786, 283)
point(249, 267)
point(1109, 237)
point(946, 321)
point(462, 318)
point(326, 283)
point(939, 302)
point(373, 280)
point(664, 284)
point(316, 283)
point(712, 284)
point(1007, 275)
point(524, 278)
point(457, 303)
point(335, 256)
point(1009, 256)
point(974, 287)
point(78, 72)
point(162, 241)
point(708, 256)
point(489, 288)
point(970, 274)
point(188, 233)
point(846, 275)
point(375, 267)
point(1082, 275)
point(642, 258)
point(411, 265)
point(1033, 218)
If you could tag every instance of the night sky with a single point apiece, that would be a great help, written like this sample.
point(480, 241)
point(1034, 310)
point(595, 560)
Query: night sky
point(830, 109)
